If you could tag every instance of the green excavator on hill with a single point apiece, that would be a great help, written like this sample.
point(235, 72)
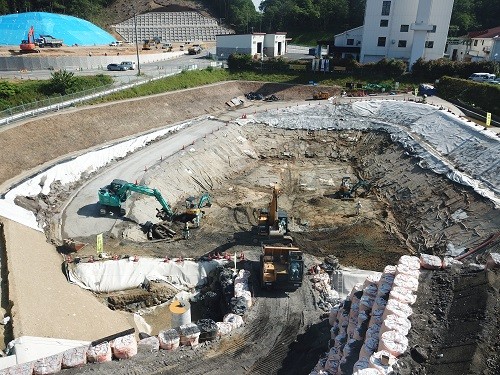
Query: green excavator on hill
point(112, 196)
point(194, 211)
point(348, 191)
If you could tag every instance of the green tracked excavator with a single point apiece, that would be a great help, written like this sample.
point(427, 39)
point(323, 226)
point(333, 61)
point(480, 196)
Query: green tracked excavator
point(114, 195)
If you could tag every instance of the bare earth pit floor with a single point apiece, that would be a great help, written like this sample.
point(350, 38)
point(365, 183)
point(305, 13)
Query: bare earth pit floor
point(401, 214)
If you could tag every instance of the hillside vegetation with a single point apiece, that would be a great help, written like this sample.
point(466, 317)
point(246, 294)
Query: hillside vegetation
point(294, 16)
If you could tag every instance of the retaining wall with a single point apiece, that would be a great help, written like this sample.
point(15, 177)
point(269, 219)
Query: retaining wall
point(43, 62)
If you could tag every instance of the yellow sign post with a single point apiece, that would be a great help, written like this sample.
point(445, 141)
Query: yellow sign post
point(99, 244)
point(488, 118)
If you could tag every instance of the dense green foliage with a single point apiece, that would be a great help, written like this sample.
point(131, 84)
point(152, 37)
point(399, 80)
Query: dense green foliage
point(482, 95)
point(86, 9)
point(435, 69)
point(294, 16)
point(16, 93)
point(470, 15)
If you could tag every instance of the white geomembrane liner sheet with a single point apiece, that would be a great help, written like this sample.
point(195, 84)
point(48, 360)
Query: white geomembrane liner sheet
point(445, 143)
point(70, 171)
point(115, 275)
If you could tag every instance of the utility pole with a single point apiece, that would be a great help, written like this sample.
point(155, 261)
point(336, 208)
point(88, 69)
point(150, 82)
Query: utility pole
point(136, 41)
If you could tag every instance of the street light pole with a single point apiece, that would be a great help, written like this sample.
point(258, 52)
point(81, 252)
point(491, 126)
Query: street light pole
point(136, 43)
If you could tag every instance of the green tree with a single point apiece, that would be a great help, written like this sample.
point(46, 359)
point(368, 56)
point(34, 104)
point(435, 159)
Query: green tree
point(61, 82)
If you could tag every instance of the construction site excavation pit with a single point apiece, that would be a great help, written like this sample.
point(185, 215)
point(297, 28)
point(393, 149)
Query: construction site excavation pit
point(417, 197)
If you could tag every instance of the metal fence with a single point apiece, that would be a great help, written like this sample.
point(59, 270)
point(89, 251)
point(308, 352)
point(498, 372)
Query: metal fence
point(52, 104)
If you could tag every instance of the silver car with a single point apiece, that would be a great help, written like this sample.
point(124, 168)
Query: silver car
point(117, 67)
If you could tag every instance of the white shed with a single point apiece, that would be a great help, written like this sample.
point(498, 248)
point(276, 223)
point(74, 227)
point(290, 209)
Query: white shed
point(255, 44)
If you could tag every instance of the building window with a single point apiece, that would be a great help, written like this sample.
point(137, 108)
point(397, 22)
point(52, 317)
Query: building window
point(386, 8)
point(433, 29)
point(429, 44)
point(381, 41)
point(475, 42)
point(404, 28)
point(384, 23)
point(402, 43)
point(350, 42)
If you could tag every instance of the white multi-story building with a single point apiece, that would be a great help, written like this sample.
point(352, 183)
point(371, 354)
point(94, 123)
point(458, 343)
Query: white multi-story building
point(398, 29)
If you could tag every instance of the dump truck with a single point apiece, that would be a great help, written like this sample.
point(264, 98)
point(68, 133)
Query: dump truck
point(281, 267)
point(48, 41)
point(195, 49)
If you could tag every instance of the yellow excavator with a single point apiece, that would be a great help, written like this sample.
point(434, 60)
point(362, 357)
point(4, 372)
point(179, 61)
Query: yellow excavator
point(193, 211)
point(272, 221)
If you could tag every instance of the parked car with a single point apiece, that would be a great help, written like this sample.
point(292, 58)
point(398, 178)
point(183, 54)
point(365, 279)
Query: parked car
point(493, 81)
point(130, 65)
point(117, 67)
point(482, 77)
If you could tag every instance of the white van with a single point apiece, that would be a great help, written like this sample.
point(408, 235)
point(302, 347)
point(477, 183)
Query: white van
point(129, 64)
point(481, 77)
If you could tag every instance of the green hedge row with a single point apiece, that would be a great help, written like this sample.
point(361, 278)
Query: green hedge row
point(435, 69)
point(482, 95)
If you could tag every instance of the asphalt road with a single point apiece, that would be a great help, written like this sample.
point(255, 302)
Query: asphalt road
point(81, 215)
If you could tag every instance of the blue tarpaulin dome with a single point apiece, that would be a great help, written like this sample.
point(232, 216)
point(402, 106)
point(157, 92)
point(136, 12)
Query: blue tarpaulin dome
point(72, 30)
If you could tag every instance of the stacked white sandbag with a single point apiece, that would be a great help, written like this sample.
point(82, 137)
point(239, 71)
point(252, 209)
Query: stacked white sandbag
point(362, 363)
point(354, 311)
point(235, 320)
point(332, 366)
point(360, 331)
point(367, 371)
point(369, 347)
point(406, 281)
point(74, 357)
point(169, 339)
point(100, 353)
point(332, 317)
point(430, 262)
point(124, 347)
point(20, 368)
point(393, 342)
point(396, 323)
point(189, 334)
point(403, 295)
point(151, 343)
point(410, 261)
point(241, 288)
point(224, 328)
point(48, 365)
point(449, 262)
point(397, 308)
point(382, 361)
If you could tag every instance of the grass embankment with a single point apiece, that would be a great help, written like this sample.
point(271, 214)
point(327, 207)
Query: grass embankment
point(196, 78)
point(16, 93)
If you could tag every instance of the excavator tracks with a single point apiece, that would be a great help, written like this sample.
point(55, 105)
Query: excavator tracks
point(260, 347)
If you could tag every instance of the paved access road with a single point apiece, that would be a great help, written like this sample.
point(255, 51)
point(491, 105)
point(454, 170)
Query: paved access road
point(81, 216)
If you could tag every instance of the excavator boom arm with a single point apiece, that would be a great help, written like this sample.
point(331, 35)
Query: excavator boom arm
point(146, 191)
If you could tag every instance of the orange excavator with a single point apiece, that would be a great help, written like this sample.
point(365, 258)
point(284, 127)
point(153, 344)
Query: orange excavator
point(29, 45)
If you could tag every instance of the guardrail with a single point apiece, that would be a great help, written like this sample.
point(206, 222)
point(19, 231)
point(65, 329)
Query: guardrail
point(54, 104)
